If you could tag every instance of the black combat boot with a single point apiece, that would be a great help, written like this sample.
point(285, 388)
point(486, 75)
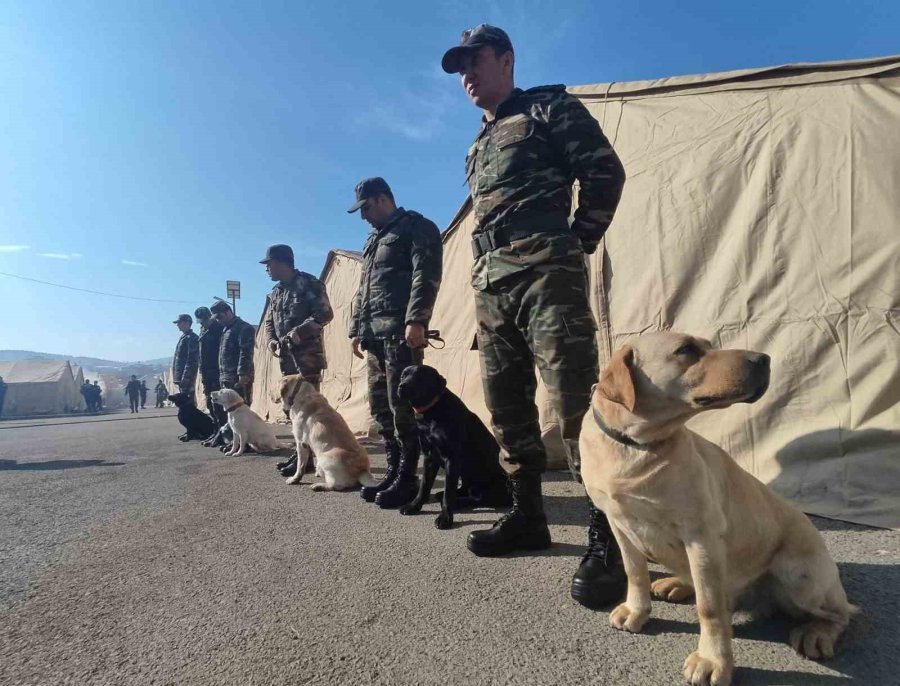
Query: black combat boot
point(406, 486)
point(392, 450)
point(524, 527)
point(289, 465)
point(600, 580)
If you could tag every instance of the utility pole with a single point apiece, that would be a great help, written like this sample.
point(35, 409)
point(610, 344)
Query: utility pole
point(234, 292)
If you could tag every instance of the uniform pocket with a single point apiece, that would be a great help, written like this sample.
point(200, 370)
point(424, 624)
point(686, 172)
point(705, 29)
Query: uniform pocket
point(389, 250)
point(513, 131)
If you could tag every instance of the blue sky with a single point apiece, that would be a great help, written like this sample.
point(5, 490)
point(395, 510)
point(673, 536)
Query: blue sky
point(155, 148)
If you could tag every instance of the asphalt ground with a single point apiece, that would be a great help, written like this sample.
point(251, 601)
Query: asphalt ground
point(127, 557)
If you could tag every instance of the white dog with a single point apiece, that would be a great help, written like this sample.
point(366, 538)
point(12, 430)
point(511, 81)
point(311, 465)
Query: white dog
point(248, 427)
point(340, 459)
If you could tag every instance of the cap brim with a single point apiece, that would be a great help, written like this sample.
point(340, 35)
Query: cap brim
point(176, 321)
point(357, 205)
point(451, 60)
point(266, 261)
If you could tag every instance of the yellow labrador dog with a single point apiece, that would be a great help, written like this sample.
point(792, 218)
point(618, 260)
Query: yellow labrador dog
point(677, 499)
point(340, 459)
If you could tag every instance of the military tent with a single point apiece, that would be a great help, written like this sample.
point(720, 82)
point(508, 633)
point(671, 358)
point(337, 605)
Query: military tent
point(37, 387)
point(78, 403)
point(759, 212)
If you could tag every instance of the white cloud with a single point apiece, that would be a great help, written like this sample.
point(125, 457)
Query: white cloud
point(13, 248)
point(62, 255)
point(132, 263)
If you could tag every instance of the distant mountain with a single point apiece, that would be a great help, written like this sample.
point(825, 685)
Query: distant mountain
point(156, 365)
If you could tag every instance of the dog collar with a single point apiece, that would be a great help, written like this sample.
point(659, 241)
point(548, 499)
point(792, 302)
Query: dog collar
point(614, 434)
point(234, 407)
point(423, 410)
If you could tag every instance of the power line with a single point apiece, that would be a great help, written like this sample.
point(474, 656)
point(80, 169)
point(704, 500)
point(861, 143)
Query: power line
point(87, 290)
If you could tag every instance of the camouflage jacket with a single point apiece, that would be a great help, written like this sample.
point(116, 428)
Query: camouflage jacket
point(520, 171)
point(300, 306)
point(133, 389)
point(402, 266)
point(187, 359)
point(236, 351)
point(209, 352)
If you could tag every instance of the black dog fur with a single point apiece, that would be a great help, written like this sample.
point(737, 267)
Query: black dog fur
point(452, 437)
point(199, 425)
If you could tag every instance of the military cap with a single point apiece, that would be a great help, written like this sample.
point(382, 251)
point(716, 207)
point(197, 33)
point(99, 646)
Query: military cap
point(369, 188)
point(220, 307)
point(202, 313)
point(279, 253)
point(474, 39)
point(184, 318)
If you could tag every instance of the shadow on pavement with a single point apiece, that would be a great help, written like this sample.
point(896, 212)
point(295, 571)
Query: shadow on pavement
point(51, 465)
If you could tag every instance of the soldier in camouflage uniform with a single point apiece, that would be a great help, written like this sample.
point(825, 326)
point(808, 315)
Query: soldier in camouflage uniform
point(297, 310)
point(531, 283)
point(236, 368)
point(402, 266)
point(187, 356)
point(210, 338)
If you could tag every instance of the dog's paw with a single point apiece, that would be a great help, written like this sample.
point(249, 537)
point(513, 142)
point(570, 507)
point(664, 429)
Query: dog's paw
point(626, 619)
point(815, 640)
point(444, 520)
point(293, 480)
point(705, 671)
point(413, 508)
point(319, 487)
point(672, 589)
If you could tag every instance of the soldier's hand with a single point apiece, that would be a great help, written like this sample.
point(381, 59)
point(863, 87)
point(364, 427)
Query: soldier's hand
point(295, 337)
point(273, 347)
point(244, 380)
point(415, 336)
point(356, 350)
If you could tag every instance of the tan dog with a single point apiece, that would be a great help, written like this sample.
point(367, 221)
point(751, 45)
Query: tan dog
point(675, 498)
point(340, 459)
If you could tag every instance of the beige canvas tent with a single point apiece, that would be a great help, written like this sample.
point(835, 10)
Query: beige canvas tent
point(78, 403)
point(759, 212)
point(36, 387)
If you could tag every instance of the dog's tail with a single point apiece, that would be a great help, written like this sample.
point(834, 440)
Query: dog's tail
point(366, 479)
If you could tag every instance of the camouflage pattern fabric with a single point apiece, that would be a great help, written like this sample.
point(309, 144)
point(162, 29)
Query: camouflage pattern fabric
point(539, 317)
point(236, 352)
point(386, 360)
point(520, 171)
point(210, 338)
point(300, 306)
point(400, 277)
point(186, 361)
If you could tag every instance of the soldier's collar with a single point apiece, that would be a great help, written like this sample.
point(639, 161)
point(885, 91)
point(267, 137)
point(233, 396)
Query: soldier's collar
point(501, 109)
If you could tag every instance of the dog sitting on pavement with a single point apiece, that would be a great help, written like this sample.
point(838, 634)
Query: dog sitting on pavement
point(198, 425)
point(249, 429)
point(677, 499)
point(455, 439)
point(320, 429)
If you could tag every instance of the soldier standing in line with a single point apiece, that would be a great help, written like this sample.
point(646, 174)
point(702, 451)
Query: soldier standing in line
point(97, 395)
point(235, 351)
point(133, 391)
point(144, 390)
point(393, 306)
point(87, 393)
point(187, 356)
point(531, 284)
point(297, 309)
point(209, 340)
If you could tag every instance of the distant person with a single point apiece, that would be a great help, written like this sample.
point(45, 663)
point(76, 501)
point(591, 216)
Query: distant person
point(97, 395)
point(161, 392)
point(144, 391)
point(186, 362)
point(210, 337)
point(2, 394)
point(87, 392)
point(133, 391)
point(297, 309)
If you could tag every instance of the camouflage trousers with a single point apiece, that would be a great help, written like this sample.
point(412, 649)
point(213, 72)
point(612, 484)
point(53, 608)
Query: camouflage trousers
point(539, 317)
point(386, 360)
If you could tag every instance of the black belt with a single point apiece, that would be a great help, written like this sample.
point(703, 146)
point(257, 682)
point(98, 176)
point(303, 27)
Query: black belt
point(486, 241)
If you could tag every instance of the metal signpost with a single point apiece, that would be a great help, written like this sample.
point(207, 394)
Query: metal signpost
point(234, 292)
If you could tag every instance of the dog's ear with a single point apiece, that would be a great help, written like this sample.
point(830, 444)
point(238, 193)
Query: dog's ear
point(616, 383)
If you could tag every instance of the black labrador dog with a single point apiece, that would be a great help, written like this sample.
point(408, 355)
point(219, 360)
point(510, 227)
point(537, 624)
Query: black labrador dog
point(199, 425)
point(452, 437)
